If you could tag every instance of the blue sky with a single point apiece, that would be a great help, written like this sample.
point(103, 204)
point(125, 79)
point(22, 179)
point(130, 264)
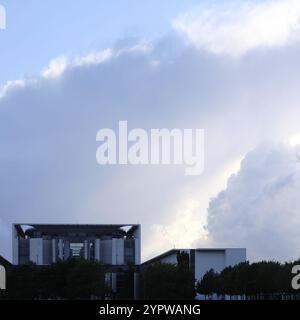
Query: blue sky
point(37, 31)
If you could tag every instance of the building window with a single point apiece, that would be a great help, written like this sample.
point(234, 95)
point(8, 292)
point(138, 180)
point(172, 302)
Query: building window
point(23, 251)
point(129, 249)
point(77, 249)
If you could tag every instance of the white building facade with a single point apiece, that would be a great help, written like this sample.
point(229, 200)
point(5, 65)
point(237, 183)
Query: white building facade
point(202, 260)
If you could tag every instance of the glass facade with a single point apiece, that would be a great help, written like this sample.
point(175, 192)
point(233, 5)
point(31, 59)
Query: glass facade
point(129, 251)
point(23, 251)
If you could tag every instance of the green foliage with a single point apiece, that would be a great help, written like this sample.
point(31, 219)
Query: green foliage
point(257, 280)
point(127, 288)
point(84, 280)
point(167, 281)
point(81, 279)
point(22, 282)
point(209, 283)
point(71, 279)
point(183, 259)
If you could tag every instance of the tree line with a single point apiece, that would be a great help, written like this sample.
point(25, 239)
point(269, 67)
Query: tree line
point(260, 280)
point(71, 279)
point(81, 279)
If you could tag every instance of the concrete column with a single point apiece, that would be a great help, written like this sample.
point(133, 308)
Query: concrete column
point(114, 251)
point(54, 250)
point(15, 245)
point(137, 245)
point(97, 250)
point(120, 252)
point(61, 249)
point(67, 250)
point(86, 249)
point(16, 251)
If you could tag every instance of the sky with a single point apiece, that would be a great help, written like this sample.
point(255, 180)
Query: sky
point(228, 67)
point(37, 31)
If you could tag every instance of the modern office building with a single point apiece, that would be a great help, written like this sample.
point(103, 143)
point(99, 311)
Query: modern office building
point(202, 260)
point(116, 245)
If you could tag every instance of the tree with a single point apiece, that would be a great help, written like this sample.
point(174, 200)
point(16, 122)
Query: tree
point(86, 279)
point(22, 282)
point(127, 288)
point(183, 260)
point(71, 279)
point(209, 283)
point(260, 280)
point(167, 281)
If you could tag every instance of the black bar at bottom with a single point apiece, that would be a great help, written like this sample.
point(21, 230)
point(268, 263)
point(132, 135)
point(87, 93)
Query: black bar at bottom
point(145, 309)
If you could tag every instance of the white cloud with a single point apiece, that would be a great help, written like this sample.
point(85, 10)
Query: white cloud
point(56, 67)
point(186, 227)
point(236, 27)
point(259, 209)
point(11, 85)
point(294, 140)
point(48, 125)
point(59, 65)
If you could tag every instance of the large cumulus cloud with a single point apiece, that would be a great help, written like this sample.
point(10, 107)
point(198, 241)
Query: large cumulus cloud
point(259, 209)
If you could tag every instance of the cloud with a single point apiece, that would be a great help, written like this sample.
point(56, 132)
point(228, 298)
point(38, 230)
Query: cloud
point(186, 226)
point(59, 65)
point(235, 27)
point(11, 85)
point(48, 125)
point(259, 209)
